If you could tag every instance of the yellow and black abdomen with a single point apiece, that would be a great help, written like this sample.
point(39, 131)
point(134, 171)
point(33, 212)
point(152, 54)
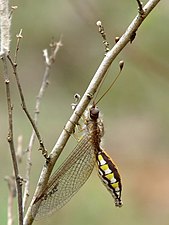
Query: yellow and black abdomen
point(109, 175)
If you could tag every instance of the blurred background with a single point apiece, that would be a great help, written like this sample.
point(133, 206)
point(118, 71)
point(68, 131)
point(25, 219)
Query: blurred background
point(135, 111)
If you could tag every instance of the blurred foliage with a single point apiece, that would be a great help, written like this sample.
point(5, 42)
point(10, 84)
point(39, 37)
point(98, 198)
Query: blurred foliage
point(136, 111)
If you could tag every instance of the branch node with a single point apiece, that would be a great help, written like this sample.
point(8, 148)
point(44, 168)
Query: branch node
point(20, 180)
point(43, 149)
point(55, 46)
point(117, 39)
point(89, 96)
point(132, 37)
point(20, 34)
point(121, 64)
point(7, 81)
point(13, 8)
point(140, 8)
point(77, 99)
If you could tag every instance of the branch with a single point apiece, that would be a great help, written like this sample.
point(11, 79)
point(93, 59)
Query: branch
point(88, 95)
point(5, 24)
point(12, 194)
point(23, 103)
point(55, 46)
point(11, 140)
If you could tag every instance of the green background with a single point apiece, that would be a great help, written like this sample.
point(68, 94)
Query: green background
point(135, 111)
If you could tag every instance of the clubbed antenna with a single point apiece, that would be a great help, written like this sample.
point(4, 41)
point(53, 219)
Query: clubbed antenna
point(121, 65)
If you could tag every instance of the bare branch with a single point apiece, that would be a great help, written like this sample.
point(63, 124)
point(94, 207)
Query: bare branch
point(5, 24)
point(24, 107)
point(140, 7)
point(19, 150)
point(11, 141)
point(94, 84)
point(19, 36)
point(103, 34)
point(12, 194)
point(49, 61)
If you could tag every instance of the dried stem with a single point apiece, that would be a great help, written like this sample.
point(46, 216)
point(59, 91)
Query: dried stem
point(103, 34)
point(12, 194)
point(99, 75)
point(140, 7)
point(11, 184)
point(23, 103)
point(55, 46)
point(11, 141)
point(19, 150)
point(5, 24)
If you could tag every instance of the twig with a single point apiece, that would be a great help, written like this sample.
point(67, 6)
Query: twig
point(12, 194)
point(23, 103)
point(19, 37)
point(140, 7)
point(11, 141)
point(13, 8)
point(5, 24)
point(141, 13)
point(99, 75)
point(55, 46)
point(19, 150)
point(11, 184)
point(103, 34)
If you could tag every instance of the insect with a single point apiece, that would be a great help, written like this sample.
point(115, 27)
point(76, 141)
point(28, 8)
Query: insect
point(76, 169)
point(107, 170)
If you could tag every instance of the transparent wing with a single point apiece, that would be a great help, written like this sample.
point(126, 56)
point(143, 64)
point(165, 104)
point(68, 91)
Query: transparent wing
point(67, 180)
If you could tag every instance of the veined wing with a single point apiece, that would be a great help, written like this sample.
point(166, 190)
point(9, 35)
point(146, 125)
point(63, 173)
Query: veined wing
point(67, 180)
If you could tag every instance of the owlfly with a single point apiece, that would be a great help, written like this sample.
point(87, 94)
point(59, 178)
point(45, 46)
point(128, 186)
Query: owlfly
point(77, 168)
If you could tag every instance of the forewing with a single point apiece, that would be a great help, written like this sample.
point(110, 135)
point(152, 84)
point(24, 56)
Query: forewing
point(67, 180)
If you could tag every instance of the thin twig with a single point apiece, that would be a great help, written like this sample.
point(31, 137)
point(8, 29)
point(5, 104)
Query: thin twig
point(140, 7)
point(55, 46)
point(19, 150)
point(12, 186)
point(11, 141)
point(103, 34)
point(19, 37)
point(12, 194)
point(5, 25)
point(23, 103)
point(99, 75)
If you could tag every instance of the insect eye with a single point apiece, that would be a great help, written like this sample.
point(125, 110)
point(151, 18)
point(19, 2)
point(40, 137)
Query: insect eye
point(94, 113)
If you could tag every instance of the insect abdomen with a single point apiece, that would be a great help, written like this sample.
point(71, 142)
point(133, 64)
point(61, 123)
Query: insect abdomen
point(110, 176)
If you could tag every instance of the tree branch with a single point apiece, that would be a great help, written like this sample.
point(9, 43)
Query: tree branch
point(23, 103)
point(11, 141)
point(12, 194)
point(94, 84)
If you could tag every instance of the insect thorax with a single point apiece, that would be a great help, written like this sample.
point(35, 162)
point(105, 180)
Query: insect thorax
point(93, 125)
